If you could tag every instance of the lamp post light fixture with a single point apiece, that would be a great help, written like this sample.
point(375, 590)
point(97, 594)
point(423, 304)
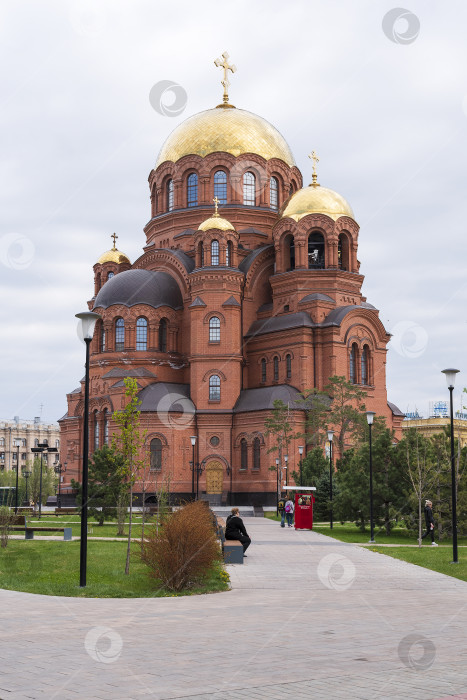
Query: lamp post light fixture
point(26, 475)
point(369, 417)
point(277, 487)
point(331, 469)
point(88, 321)
point(41, 448)
point(300, 452)
point(193, 443)
point(59, 470)
point(450, 375)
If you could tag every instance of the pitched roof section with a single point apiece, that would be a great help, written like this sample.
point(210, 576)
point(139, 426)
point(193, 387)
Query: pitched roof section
point(154, 288)
point(250, 229)
point(251, 257)
point(280, 323)
point(138, 372)
point(167, 397)
point(316, 296)
point(395, 410)
point(262, 399)
point(197, 302)
point(231, 302)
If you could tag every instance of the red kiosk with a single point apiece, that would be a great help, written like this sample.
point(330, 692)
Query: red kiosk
point(304, 499)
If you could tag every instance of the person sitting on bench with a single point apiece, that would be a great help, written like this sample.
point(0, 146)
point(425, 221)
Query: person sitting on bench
point(235, 530)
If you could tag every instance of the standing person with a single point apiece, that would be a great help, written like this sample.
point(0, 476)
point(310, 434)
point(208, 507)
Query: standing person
point(289, 511)
point(430, 523)
point(235, 530)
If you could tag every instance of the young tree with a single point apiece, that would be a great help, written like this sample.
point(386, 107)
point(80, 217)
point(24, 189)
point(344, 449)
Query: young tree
point(280, 426)
point(417, 450)
point(128, 441)
point(105, 484)
point(347, 409)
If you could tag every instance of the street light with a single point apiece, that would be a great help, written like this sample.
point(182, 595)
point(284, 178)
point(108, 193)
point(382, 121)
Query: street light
point(58, 469)
point(18, 443)
point(330, 436)
point(199, 470)
point(41, 448)
point(277, 487)
point(300, 452)
point(26, 475)
point(450, 375)
point(86, 327)
point(369, 417)
point(193, 443)
point(286, 460)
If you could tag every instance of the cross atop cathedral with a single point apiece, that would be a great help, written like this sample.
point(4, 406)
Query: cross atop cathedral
point(315, 160)
point(223, 63)
point(114, 236)
point(216, 204)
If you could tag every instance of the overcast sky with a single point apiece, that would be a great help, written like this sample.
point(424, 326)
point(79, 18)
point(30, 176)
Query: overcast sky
point(385, 109)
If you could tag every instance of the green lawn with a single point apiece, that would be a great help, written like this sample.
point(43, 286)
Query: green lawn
point(94, 530)
point(52, 568)
point(434, 558)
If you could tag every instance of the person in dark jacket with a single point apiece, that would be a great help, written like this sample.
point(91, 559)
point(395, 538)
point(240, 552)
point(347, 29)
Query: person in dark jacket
point(430, 523)
point(235, 530)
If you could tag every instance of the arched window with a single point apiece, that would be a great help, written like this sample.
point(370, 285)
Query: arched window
point(263, 370)
point(228, 254)
point(110, 275)
point(276, 368)
point(256, 453)
point(170, 195)
point(156, 455)
point(343, 256)
point(106, 427)
point(291, 190)
point(214, 388)
point(96, 432)
point(274, 193)
point(119, 334)
point(249, 189)
point(102, 337)
point(36, 442)
point(214, 330)
point(201, 254)
point(192, 190)
point(288, 363)
point(353, 364)
point(243, 454)
point(365, 365)
point(141, 333)
point(215, 253)
point(163, 335)
point(220, 186)
point(289, 252)
point(316, 250)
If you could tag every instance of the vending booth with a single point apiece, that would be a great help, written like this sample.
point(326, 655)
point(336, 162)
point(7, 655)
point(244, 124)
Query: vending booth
point(303, 501)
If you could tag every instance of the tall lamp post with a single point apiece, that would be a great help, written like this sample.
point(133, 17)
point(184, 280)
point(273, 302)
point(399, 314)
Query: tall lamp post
point(331, 469)
point(58, 469)
point(199, 470)
point(87, 323)
point(369, 417)
point(41, 448)
point(277, 486)
point(450, 375)
point(193, 443)
point(300, 452)
point(286, 460)
point(26, 475)
point(18, 442)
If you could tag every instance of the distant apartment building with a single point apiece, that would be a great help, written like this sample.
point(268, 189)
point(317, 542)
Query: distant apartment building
point(18, 436)
point(437, 421)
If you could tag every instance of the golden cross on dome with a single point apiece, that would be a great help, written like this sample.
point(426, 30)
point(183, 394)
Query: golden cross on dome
point(114, 236)
point(315, 160)
point(223, 63)
point(216, 204)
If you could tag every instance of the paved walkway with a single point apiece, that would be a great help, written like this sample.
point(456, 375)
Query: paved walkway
point(308, 617)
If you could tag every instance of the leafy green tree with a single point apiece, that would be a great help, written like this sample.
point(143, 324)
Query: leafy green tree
point(105, 484)
point(280, 426)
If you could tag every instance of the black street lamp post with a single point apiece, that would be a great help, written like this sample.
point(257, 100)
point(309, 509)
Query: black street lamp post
point(193, 443)
point(451, 378)
point(277, 487)
point(199, 470)
point(17, 472)
point(331, 469)
point(369, 416)
point(41, 448)
point(300, 452)
point(59, 470)
point(86, 327)
point(26, 475)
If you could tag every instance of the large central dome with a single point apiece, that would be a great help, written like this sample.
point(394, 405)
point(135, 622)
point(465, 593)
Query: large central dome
point(232, 130)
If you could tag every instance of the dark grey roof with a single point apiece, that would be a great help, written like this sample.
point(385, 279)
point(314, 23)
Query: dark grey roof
point(121, 382)
point(76, 391)
point(395, 410)
point(186, 232)
point(63, 417)
point(251, 229)
point(317, 296)
point(336, 316)
point(266, 307)
point(140, 287)
point(138, 372)
point(262, 399)
point(366, 305)
point(187, 262)
point(251, 257)
point(165, 397)
point(231, 302)
point(280, 323)
point(197, 302)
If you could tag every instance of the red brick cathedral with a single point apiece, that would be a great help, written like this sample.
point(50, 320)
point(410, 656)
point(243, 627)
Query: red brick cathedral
point(248, 290)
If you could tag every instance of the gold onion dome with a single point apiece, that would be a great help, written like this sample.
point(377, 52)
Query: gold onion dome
point(316, 200)
point(216, 221)
point(114, 255)
point(225, 129)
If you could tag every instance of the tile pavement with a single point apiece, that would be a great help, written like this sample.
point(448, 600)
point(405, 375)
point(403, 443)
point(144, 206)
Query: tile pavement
point(307, 617)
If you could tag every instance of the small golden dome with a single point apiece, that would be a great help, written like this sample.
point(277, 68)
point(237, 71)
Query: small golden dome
point(316, 200)
point(234, 131)
point(113, 255)
point(216, 221)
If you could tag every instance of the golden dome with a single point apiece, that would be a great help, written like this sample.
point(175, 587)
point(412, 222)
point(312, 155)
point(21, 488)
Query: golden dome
point(316, 200)
point(216, 221)
point(232, 130)
point(113, 255)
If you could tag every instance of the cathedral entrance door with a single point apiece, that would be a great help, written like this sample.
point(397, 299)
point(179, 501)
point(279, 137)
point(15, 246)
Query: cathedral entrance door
point(214, 477)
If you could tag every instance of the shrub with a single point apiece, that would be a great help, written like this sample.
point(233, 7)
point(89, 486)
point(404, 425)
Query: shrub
point(6, 518)
point(183, 548)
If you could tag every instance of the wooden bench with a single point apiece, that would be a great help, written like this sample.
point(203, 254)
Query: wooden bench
point(19, 524)
point(66, 511)
point(232, 549)
point(25, 509)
